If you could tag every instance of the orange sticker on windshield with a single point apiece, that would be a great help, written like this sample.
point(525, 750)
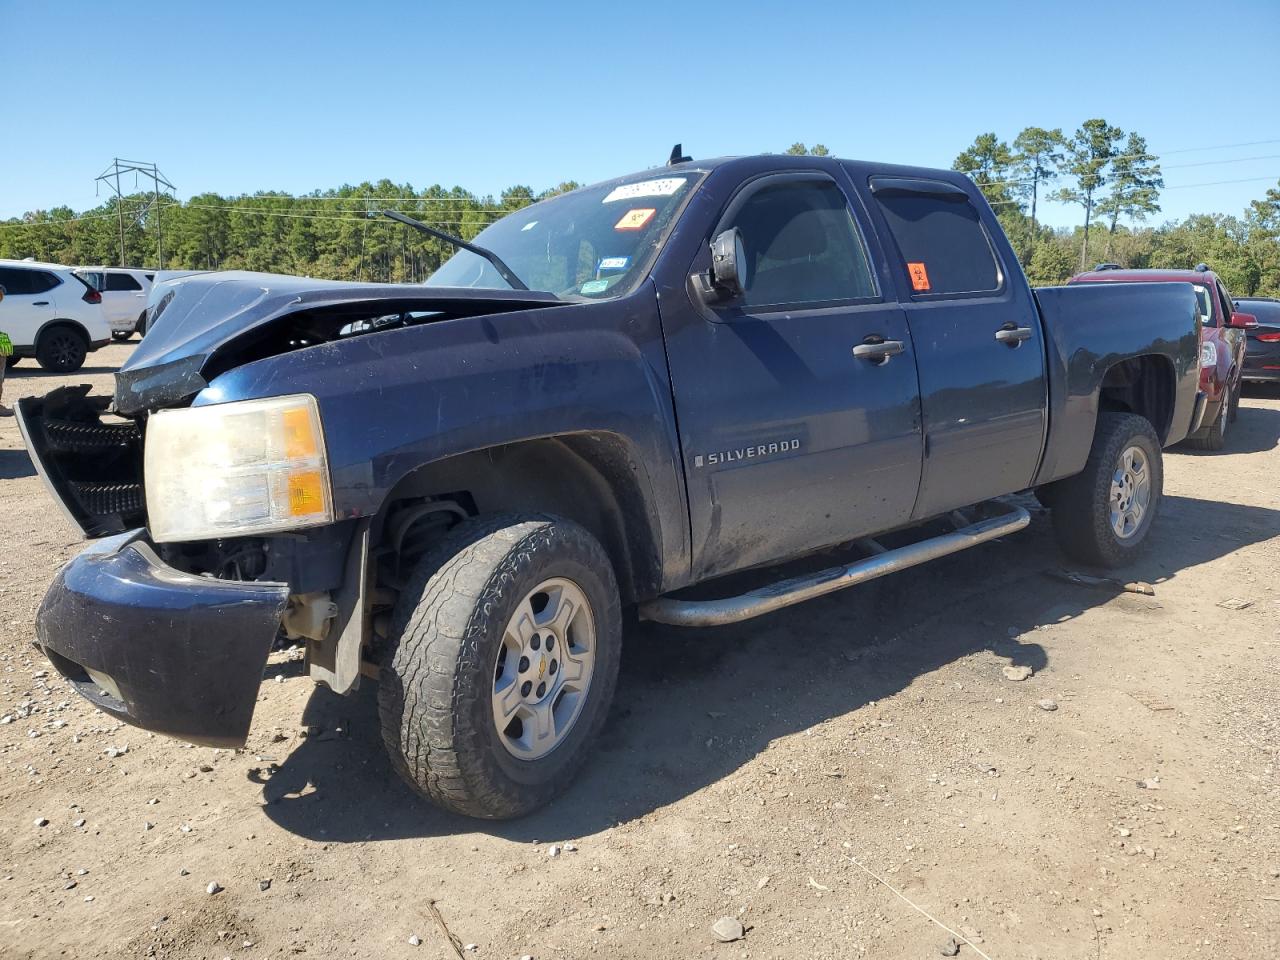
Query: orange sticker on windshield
point(635, 219)
point(919, 276)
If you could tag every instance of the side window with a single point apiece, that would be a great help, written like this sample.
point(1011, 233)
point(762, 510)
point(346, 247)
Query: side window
point(13, 281)
point(942, 242)
point(42, 281)
point(1227, 307)
point(122, 281)
point(802, 246)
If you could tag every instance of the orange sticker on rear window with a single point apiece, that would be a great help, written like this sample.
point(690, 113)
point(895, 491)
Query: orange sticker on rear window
point(919, 276)
point(635, 219)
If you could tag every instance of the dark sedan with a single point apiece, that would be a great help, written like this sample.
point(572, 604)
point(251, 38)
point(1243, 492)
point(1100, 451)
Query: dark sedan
point(1262, 359)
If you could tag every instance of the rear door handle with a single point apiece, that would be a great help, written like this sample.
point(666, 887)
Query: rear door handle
point(1013, 335)
point(878, 350)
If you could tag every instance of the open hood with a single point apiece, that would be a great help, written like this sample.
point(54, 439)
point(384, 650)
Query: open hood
point(205, 324)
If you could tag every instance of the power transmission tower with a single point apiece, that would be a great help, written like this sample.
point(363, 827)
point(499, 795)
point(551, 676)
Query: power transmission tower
point(111, 177)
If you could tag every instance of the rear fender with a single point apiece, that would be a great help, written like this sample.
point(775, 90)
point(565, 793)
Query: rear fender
point(1091, 331)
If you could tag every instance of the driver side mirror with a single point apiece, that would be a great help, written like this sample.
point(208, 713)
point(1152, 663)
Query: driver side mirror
point(728, 267)
point(1242, 321)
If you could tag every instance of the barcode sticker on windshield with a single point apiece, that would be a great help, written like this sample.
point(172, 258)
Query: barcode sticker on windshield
point(919, 276)
point(649, 188)
point(635, 219)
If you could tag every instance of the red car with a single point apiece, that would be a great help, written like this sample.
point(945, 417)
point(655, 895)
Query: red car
point(1222, 341)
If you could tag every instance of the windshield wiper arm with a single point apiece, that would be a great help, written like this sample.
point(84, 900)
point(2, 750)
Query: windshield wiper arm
point(507, 273)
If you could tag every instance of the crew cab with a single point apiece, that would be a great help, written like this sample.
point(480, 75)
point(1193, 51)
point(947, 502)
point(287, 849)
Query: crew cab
point(1222, 342)
point(603, 399)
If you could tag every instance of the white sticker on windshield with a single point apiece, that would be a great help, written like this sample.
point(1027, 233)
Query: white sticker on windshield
point(649, 188)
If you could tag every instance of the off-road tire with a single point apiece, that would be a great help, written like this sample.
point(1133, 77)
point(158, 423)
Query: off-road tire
point(61, 349)
point(1215, 437)
point(437, 677)
point(1081, 504)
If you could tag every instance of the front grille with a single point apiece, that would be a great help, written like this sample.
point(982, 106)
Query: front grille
point(69, 436)
point(103, 499)
point(92, 466)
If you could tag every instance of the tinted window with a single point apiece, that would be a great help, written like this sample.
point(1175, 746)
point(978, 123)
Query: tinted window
point(122, 281)
point(1266, 311)
point(942, 242)
point(17, 281)
point(801, 246)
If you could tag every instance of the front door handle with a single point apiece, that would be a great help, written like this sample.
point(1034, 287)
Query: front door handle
point(40, 303)
point(1013, 335)
point(878, 350)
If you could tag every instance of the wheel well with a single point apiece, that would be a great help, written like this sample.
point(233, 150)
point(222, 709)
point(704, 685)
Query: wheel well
point(1141, 385)
point(61, 322)
point(588, 478)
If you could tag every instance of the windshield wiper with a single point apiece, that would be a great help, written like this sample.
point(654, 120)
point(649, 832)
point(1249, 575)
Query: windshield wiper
point(506, 272)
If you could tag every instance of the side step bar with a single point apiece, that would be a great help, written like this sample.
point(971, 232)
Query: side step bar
point(714, 613)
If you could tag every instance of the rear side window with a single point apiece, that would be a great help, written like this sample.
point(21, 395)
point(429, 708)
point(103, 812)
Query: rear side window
point(17, 281)
point(122, 281)
point(94, 278)
point(943, 246)
point(801, 245)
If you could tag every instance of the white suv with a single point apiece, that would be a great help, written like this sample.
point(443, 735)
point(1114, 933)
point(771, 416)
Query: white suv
point(124, 295)
point(51, 314)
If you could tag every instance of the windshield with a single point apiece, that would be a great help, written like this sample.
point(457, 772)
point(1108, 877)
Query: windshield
point(591, 243)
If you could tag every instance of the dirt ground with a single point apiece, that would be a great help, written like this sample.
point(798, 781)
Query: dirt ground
point(745, 772)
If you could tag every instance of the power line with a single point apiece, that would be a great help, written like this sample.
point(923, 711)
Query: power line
point(1180, 186)
point(1154, 156)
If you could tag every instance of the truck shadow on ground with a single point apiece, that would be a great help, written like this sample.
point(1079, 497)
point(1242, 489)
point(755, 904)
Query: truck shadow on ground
point(693, 706)
point(15, 464)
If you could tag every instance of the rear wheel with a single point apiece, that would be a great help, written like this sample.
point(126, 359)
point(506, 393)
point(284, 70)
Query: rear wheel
point(62, 349)
point(506, 644)
point(1216, 436)
point(11, 361)
point(1103, 514)
point(120, 336)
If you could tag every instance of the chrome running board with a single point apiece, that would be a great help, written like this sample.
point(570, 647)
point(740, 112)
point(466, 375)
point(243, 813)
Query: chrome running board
point(714, 613)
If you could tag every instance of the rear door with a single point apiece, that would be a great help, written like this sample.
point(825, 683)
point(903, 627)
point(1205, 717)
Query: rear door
point(978, 339)
point(28, 302)
point(122, 298)
point(791, 440)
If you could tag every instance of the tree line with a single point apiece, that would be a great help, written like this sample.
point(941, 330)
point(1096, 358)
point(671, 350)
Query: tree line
point(1115, 180)
point(1109, 174)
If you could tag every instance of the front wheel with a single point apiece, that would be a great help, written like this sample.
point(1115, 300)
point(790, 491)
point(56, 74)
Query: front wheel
point(1103, 514)
point(504, 657)
point(120, 336)
point(1215, 437)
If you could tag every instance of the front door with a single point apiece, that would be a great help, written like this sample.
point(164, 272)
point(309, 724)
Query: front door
point(791, 441)
point(979, 345)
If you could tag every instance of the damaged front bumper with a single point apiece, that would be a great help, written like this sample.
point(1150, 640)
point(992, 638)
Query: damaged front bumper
point(164, 650)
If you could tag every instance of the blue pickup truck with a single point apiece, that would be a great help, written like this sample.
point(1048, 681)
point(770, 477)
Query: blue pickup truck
point(456, 489)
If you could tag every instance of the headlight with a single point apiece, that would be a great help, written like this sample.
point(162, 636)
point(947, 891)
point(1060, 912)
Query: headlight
point(232, 469)
point(1208, 354)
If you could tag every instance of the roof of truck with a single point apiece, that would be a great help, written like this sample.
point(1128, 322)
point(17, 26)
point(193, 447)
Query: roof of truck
point(1142, 276)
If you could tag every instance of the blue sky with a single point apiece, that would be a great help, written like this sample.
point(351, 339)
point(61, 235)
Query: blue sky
point(234, 97)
